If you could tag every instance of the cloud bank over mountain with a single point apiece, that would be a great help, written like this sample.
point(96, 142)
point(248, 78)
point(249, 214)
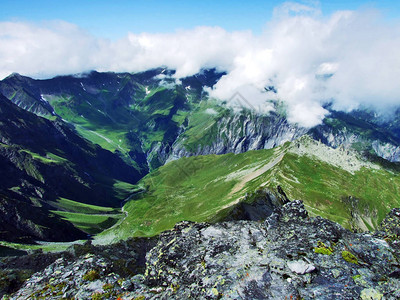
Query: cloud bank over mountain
point(349, 58)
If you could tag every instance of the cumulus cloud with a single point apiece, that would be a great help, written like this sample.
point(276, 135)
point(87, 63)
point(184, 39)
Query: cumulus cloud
point(349, 58)
point(45, 50)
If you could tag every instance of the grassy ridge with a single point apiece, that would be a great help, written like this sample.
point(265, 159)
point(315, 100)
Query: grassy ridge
point(336, 194)
point(205, 188)
point(194, 188)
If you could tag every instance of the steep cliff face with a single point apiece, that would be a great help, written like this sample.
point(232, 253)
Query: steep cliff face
point(346, 139)
point(386, 150)
point(230, 133)
point(241, 132)
point(361, 131)
point(286, 256)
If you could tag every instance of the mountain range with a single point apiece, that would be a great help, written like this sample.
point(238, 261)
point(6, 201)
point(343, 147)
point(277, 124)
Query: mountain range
point(74, 148)
point(156, 190)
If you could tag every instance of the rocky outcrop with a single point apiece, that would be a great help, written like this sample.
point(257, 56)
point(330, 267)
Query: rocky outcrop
point(360, 130)
point(233, 133)
point(387, 151)
point(347, 140)
point(288, 256)
point(390, 229)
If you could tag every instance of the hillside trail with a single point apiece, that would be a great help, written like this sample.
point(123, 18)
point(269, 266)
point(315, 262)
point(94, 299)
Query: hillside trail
point(254, 174)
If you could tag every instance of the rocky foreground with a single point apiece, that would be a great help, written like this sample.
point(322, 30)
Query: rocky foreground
point(288, 256)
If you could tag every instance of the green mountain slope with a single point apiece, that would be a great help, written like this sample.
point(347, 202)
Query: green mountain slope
point(105, 131)
point(129, 114)
point(150, 118)
point(333, 183)
point(44, 161)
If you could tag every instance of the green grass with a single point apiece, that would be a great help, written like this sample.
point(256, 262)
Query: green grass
point(91, 219)
point(188, 189)
point(90, 223)
point(93, 121)
point(327, 189)
point(78, 207)
point(205, 188)
point(180, 117)
point(111, 140)
point(48, 159)
point(123, 189)
point(45, 246)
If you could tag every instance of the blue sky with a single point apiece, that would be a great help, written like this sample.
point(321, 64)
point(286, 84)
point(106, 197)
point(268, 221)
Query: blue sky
point(113, 19)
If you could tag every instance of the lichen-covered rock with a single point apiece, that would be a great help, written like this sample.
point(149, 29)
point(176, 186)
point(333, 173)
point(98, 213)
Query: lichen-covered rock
point(391, 224)
point(390, 229)
point(82, 279)
point(15, 270)
point(270, 260)
point(279, 258)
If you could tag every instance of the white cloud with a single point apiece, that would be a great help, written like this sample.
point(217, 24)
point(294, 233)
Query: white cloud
point(350, 57)
point(38, 51)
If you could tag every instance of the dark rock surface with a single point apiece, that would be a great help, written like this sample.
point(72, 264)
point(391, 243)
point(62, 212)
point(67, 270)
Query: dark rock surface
point(287, 256)
point(258, 205)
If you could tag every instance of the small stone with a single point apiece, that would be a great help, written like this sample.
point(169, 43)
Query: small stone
point(215, 291)
point(359, 280)
point(300, 267)
point(67, 295)
point(67, 274)
point(96, 286)
point(126, 285)
point(370, 294)
point(335, 273)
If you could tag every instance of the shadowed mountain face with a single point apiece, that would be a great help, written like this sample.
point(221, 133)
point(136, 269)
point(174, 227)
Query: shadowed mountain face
point(43, 160)
point(138, 115)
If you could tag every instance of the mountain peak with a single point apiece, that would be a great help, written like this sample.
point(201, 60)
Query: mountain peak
point(16, 76)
